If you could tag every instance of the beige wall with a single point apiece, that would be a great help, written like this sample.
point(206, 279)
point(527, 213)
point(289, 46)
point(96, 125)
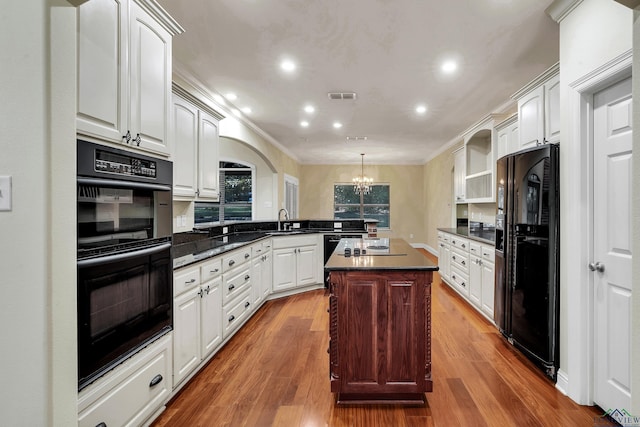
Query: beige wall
point(438, 196)
point(406, 193)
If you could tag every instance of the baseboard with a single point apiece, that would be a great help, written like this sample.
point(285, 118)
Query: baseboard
point(562, 382)
point(426, 248)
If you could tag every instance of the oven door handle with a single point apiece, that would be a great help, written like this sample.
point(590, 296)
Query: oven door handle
point(92, 262)
point(123, 184)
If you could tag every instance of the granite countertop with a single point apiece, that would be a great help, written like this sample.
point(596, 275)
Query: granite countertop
point(398, 255)
point(486, 236)
point(198, 246)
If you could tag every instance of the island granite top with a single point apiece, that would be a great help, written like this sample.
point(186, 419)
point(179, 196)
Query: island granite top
point(379, 254)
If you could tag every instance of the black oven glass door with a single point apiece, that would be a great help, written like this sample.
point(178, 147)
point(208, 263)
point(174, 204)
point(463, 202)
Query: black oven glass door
point(112, 212)
point(124, 301)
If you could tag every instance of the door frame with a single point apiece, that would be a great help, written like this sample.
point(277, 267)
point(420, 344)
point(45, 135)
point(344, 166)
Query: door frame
point(576, 379)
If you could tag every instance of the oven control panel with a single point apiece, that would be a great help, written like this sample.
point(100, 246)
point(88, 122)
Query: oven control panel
point(110, 162)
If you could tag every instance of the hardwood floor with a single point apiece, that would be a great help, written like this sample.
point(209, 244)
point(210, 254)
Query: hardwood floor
point(275, 372)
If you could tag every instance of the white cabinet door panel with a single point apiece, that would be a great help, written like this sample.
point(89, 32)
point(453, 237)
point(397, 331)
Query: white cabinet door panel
point(208, 157)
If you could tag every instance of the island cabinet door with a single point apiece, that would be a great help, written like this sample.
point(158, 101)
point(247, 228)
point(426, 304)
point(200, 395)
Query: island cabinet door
point(383, 333)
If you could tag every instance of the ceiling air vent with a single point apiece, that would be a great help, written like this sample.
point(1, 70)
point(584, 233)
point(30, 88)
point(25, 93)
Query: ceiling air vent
point(356, 138)
point(342, 95)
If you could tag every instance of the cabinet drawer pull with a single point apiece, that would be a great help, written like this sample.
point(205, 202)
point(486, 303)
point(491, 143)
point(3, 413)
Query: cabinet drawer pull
point(215, 270)
point(102, 424)
point(453, 257)
point(137, 140)
point(463, 262)
point(126, 138)
point(463, 285)
point(246, 256)
point(247, 277)
point(232, 318)
point(247, 304)
point(258, 251)
point(231, 262)
point(156, 380)
point(190, 281)
point(464, 246)
point(453, 241)
point(232, 287)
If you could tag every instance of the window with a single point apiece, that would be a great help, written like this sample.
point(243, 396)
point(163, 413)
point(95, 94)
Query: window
point(347, 204)
point(291, 195)
point(236, 196)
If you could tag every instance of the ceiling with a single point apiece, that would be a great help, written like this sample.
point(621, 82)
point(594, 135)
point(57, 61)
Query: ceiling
point(389, 52)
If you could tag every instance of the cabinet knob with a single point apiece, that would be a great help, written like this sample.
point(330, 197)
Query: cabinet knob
point(246, 256)
point(247, 277)
point(247, 304)
point(464, 246)
point(232, 318)
point(231, 262)
point(201, 293)
point(232, 287)
point(101, 425)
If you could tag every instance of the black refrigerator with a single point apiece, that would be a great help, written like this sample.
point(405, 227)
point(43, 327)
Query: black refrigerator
point(527, 254)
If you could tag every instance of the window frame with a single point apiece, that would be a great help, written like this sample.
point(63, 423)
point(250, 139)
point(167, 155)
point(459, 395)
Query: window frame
point(363, 205)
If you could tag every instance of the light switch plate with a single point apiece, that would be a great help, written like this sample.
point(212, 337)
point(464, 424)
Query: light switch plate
point(5, 193)
point(337, 225)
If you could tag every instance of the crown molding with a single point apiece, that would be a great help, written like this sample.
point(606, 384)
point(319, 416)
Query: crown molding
point(559, 9)
point(535, 83)
point(161, 15)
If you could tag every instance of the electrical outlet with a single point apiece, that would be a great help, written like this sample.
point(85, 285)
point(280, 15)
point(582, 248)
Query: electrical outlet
point(5, 193)
point(225, 230)
point(296, 225)
point(337, 225)
point(411, 236)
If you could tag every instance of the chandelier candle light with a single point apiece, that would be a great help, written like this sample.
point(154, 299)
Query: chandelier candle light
point(361, 183)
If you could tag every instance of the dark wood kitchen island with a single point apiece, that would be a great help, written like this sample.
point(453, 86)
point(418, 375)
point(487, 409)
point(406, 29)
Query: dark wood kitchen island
point(380, 322)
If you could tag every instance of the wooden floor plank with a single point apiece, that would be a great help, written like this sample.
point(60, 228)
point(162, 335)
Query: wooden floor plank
point(275, 372)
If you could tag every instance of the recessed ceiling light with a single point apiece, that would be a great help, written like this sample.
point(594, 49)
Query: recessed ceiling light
point(449, 66)
point(304, 123)
point(337, 125)
point(421, 109)
point(309, 109)
point(231, 96)
point(246, 110)
point(288, 65)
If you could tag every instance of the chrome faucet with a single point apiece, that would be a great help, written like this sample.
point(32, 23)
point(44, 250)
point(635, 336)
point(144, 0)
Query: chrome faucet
point(286, 216)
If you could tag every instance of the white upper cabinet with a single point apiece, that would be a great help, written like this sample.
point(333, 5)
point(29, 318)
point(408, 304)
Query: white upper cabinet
point(480, 159)
point(124, 73)
point(195, 148)
point(539, 110)
point(459, 175)
point(508, 138)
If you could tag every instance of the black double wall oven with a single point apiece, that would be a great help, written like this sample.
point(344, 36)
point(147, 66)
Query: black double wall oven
point(125, 278)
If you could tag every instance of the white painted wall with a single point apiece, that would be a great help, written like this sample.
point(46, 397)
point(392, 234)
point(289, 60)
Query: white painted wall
point(594, 33)
point(265, 177)
point(37, 255)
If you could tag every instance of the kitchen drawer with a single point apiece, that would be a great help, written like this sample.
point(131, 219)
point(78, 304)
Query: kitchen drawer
point(460, 260)
point(211, 269)
point(260, 248)
point(234, 314)
point(460, 242)
point(235, 258)
point(131, 393)
point(446, 237)
point(235, 282)
point(185, 279)
point(295, 241)
point(460, 280)
point(488, 253)
point(475, 250)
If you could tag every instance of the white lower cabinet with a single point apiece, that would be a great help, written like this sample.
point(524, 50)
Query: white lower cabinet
point(444, 255)
point(296, 262)
point(196, 316)
point(261, 271)
point(133, 392)
point(469, 269)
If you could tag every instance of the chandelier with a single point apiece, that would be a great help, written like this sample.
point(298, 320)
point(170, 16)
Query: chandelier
point(361, 183)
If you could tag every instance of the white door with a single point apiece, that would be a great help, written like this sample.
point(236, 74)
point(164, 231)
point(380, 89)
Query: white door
point(612, 246)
